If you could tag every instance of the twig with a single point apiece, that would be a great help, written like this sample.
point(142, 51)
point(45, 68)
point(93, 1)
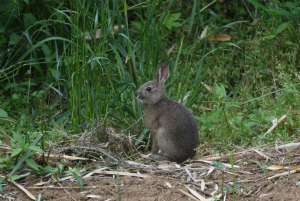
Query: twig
point(282, 174)
point(95, 149)
point(187, 194)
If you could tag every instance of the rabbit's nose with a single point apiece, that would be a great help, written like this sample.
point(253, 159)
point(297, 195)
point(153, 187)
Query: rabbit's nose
point(136, 94)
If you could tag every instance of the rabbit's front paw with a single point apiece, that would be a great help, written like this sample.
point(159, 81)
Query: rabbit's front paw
point(157, 157)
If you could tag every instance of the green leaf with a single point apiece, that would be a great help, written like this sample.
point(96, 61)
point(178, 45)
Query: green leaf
point(11, 86)
point(176, 24)
point(281, 12)
point(287, 42)
point(35, 148)
point(282, 27)
point(2, 28)
point(55, 73)
point(215, 15)
point(192, 17)
point(173, 18)
point(218, 165)
point(14, 39)
point(62, 117)
point(23, 119)
point(238, 120)
point(215, 116)
point(291, 121)
point(7, 160)
point(137, 25)
point(15, 177)
point(49, 169)
point(3, 165)
point(2, 160)
point(60, 17)
point(68, 61)
point(45, 49)
point(142, 136)
point(267, 37)
point(38, 94)
point(270, 118)
point(1, 181)
point(16, 152)
point(32, 163)
point(289, 4)
point(256, 3)
point(168, 26)
point(228, 188)
point(170, 22)
point(27, 83)
point(3, 113)
point(60, 167)
point(29, 20)
point(237, 185)
point(26, 1)
point(17, 137)
point(176, 15)
point(15, 97)
point(220, 91)
point(78, 179)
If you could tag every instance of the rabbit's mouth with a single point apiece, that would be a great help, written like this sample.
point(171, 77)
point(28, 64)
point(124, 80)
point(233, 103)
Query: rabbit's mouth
point(139, 97)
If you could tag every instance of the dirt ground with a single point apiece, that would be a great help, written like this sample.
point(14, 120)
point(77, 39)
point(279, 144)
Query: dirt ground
point(157, 181)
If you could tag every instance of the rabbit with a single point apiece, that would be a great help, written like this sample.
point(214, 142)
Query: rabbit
point(171, 124)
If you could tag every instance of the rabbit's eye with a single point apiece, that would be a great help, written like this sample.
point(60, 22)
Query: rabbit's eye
point(148, 88)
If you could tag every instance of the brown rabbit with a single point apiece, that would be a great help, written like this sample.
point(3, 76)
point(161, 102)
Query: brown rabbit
point(172, 125)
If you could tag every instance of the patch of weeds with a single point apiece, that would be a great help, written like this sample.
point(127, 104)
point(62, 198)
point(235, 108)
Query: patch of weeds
point(231, 188)
point(244, 123)
point(263, 167)
point(73, 172)
point(23, 151)
point(21, 146)
point(220, 166)
point(298, 182)
point(215, 198)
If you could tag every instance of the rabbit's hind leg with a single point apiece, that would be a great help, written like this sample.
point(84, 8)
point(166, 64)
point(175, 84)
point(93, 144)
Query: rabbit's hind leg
point(155, 147)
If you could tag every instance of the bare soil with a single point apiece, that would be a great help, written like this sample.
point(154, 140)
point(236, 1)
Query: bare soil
point(167, 180)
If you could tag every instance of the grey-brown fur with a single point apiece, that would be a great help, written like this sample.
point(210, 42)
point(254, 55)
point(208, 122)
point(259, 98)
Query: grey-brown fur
point(172, 126)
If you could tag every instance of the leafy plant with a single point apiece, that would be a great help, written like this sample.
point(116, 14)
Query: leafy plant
point(22, 152)
point(263, 167)
point(298, 182)
point(73, 172)
point(170, 21)
point(219, 165)
point(231, 188)
point(215, 197)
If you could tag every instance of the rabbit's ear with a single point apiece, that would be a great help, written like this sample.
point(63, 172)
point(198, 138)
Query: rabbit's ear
point(162, 73)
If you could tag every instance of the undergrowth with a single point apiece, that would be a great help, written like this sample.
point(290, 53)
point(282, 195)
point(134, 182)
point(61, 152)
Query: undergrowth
point(69, 66)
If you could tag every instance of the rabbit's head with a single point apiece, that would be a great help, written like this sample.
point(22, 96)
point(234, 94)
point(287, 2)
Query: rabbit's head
point(153, 91)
